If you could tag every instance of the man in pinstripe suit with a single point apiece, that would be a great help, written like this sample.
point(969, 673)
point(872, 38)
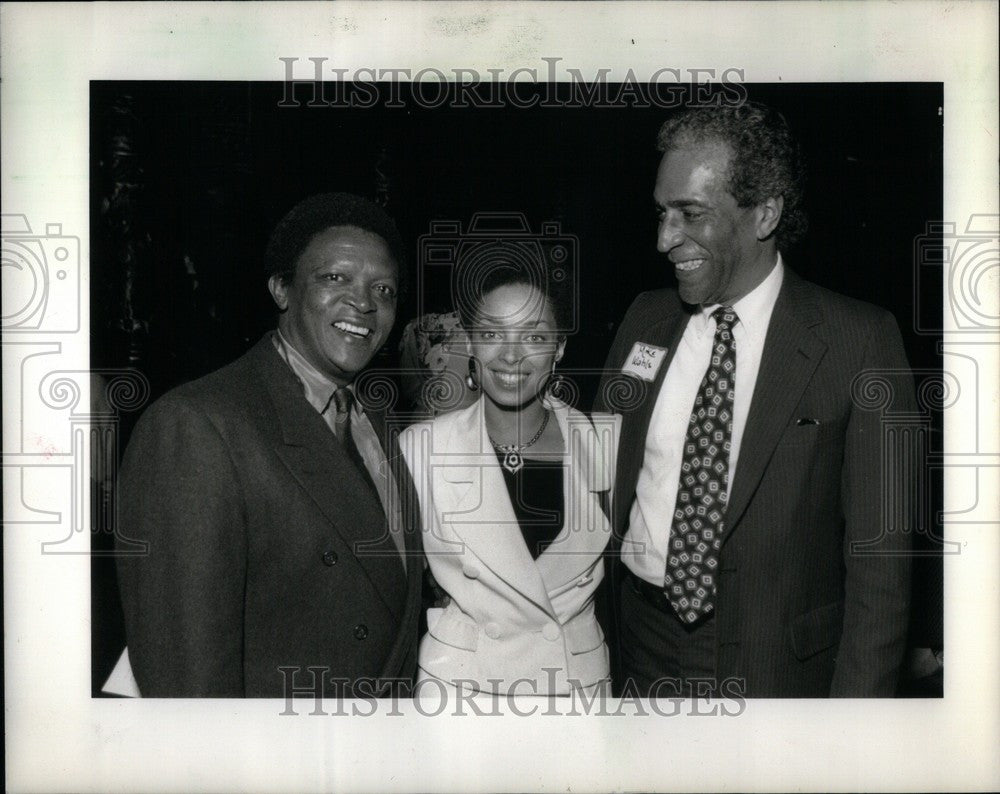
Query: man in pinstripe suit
point(752, 553)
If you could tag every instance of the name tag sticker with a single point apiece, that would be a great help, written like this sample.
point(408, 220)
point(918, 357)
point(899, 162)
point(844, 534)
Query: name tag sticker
point(644, 361)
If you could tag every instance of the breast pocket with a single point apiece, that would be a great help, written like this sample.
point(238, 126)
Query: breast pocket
point(452, 629)
point(583, 636)
point(811, 434)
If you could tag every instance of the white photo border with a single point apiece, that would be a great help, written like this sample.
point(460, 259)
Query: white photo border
point(59, 738)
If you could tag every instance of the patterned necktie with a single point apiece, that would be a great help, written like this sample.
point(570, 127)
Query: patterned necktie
point(696, 535)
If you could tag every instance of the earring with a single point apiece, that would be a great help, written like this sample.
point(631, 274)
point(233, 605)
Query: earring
point(554, 383)
point(470, 379)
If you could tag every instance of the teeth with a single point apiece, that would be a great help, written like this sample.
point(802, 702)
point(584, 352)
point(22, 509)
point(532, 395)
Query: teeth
point(508, 379)
point(689, 264)
point(357, 330)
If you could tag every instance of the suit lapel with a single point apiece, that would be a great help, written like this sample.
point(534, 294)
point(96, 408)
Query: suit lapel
point(323, 470)
point(479, 509)
point(664, 333)
point(791, 354)
point(585, 528)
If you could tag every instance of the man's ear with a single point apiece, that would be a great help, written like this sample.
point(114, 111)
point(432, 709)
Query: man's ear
point(560, 349)
point(279, 291)
point(768, 216)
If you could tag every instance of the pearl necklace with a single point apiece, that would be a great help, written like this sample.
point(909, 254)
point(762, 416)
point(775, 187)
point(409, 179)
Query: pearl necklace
point(512, 460)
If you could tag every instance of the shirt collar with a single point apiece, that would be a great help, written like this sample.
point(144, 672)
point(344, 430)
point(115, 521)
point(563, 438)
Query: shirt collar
point(754, 308)
point(318, 388)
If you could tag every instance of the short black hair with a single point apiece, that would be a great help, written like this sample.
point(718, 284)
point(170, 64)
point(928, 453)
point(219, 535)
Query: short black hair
point(475, 280)
point(317, 214)
point(766, 160)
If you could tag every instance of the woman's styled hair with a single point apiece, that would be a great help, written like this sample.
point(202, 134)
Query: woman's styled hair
point(474, 281)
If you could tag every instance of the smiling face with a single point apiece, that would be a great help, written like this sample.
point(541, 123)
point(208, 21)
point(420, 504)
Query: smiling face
point(515, 344)
point(341, 305)
point(719, 251)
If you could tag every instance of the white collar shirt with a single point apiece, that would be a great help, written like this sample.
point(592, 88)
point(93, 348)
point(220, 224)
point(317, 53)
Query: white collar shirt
point(644, 549)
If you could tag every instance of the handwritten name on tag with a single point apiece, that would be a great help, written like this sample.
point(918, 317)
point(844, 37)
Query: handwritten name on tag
point(644, 361)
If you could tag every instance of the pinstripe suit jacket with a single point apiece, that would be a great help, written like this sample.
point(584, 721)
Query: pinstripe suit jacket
point(813, 592)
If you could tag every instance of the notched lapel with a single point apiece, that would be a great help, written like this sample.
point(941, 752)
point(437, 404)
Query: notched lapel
point(323, 470)
point(586, 530)
point(476, 507)
point(792, 351)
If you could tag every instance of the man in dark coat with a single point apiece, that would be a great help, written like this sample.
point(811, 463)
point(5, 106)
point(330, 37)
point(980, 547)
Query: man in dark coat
point(759, 499)
point(269, 496)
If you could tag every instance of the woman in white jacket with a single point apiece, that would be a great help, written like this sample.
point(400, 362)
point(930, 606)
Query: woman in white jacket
point(510, 492)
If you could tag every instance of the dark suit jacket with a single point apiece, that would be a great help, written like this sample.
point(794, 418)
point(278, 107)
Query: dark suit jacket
point(254, 513)
point(801, 610)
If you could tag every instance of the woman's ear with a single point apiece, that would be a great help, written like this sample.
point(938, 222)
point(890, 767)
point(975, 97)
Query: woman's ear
point(560, 349)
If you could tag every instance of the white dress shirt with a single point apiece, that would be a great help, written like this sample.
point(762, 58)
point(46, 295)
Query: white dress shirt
point(644, 550)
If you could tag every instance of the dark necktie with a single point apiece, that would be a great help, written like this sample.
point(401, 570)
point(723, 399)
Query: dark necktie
point(343, 401)
point(696, 535)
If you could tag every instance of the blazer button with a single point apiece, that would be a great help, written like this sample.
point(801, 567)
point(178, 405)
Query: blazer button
point(551, 632)
point(470, 571)
point(492, 631)
point(585, 581)
point(330, 558)
point(360, 631)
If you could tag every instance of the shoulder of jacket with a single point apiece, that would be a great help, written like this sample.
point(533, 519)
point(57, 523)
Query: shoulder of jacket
point(837, 308)
point(228, 390)
point(652, 305)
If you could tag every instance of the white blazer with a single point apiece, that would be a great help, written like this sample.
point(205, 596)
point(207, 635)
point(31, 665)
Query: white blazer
point(514, 625)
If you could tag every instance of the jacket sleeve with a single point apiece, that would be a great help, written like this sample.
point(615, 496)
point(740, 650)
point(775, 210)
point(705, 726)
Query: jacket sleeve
point(877, 481)
point(183, 598)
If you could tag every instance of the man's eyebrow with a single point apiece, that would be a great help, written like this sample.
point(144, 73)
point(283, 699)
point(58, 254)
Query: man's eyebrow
point(679, 203)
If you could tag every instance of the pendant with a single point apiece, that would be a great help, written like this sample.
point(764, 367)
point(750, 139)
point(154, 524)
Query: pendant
point(512, 462)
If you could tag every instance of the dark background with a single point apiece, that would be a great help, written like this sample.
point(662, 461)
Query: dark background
point(187, 180)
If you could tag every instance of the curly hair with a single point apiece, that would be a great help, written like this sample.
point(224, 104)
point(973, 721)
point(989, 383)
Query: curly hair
point(766, 160)
point(320, 212)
